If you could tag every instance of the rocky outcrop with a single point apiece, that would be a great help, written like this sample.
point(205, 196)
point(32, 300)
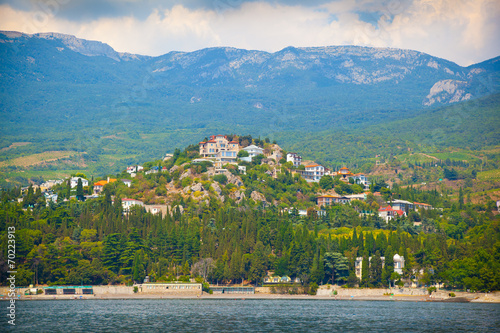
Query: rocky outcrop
point(237, 196)
point(185, 174)
point(232, 179)
point(256, 196)
point(196, 190)
point(447, 91)
point(216, 188)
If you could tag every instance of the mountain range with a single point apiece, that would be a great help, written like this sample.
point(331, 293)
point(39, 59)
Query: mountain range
point(59, 89)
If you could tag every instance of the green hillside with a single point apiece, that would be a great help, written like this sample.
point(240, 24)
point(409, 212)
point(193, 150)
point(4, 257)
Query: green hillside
point(236, 224)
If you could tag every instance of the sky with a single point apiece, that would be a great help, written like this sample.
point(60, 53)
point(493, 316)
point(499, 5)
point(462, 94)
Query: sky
point(463, 31)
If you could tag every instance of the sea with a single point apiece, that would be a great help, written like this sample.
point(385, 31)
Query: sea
point(250, 315)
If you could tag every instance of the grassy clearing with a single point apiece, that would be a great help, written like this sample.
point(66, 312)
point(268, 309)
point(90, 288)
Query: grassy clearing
point(46, 174)
point(418, 157)
point(489, 175)
point(457, 156)
point(15, 145)
point(34, 159)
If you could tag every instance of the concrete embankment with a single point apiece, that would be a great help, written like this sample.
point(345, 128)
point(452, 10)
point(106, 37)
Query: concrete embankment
point(324, 293)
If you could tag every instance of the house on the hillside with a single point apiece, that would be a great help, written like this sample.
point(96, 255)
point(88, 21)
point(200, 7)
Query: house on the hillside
point(154, 169)
point(388, 213)
point(313, 172)
point(220, 149)
point(360, 196)
point(156, 209)
point(253, 151)
point(127, 182)
point(295, 158)
point(242, 169)
point(99, 186)
point(326, 200)
point(405, 206)
point(134, 169)
point(344, 174)
point(419, 205)
point(74, 181)
point(361, 179)
point(128, 203)
point(216, 144)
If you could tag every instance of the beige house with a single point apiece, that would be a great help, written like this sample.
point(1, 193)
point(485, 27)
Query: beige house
point(220, 148)
point(217, 144)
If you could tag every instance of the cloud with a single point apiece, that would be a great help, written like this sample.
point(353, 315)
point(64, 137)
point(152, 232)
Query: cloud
point(464, 31)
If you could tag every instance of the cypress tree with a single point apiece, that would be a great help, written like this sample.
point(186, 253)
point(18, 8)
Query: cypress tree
point(79, 190)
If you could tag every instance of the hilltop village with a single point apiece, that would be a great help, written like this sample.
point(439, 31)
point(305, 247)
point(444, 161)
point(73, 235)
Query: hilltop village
point(219, 170)
point(240, 212)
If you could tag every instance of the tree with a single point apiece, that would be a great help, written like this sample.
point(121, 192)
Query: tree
point(336, 265)
point(138, 267)
point(243, 153)
point(79, 190)
point(68, 188)
point(365, 270)
point(221, 179)
point(326, 182)
point(112, 251)
point(376, 269)
point(388, 266)
point(461, 198)
point(203, 267)
point(258, 159)
point(258, 263)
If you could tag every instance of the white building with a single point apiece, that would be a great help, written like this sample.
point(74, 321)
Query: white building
point(127, 203)
point(361, 179)
point(135, 169)
point(399, 264)
point(313, 172)
point(402, 205)
point(74, 182)
point(253, 151)
point(127, 182)
point(295, 158)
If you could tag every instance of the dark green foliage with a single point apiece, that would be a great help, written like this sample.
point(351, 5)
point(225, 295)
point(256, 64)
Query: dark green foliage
point(221, 179)
point(336, 267)
point(93, 242)
point(79, 189)
point(326, 182)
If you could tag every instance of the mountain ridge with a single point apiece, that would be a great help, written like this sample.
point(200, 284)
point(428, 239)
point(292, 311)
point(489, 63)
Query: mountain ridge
point(52, 93)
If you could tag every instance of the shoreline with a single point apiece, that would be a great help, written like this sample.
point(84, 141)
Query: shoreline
point(473, 298)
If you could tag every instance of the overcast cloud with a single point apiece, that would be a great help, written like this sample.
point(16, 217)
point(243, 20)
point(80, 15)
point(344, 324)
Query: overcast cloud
point(463, 31)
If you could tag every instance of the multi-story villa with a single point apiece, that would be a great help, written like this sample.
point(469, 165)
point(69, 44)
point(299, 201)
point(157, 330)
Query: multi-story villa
point(313, 172)
point(295, 158)
point(220, 148)
point(344, 174)
point(361, 179)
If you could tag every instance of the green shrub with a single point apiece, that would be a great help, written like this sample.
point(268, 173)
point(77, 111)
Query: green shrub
point(136, 289)
point(221, 179)
point(452, 294)
point(313, 288)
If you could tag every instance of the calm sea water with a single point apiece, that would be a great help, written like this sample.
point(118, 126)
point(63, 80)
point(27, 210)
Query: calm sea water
point(209, 315)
